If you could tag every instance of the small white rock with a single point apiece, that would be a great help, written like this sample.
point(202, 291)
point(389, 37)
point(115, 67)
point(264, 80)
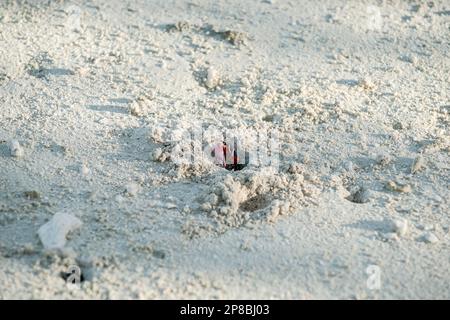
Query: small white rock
point(348, 165)
point(53, 233)
point(132, 189)
point(84, 170)
point(119, 199)
point(157, 154)
point(400, 227)
point(409, 58)
point(170, 205)
point(391, 236)
point(428, 227)
point(16, 149)
point(212, 78)
point(430, 238)
point(398, 187)
point(418, 164)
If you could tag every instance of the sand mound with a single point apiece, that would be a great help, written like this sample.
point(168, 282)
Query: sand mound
point(257, 195)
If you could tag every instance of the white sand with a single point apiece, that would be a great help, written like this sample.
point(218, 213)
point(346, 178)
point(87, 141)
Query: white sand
point(98, 94)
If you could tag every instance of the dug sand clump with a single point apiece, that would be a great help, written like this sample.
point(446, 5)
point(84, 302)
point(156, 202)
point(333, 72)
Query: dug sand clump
point(254, 196)
point(182, 155)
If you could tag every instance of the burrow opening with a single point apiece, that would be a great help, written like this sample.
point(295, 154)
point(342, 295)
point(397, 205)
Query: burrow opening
point(255, 203)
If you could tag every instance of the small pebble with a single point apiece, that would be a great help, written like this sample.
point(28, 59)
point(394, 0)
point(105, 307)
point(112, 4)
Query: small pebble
point(430, 238)
point(159, 254)
point(157, 154)
point(119, 199)
point(84, 170)
point(418, 164)
point(212, 78)
point(391, 236)
point(409, 58)
point(398, 126)
point(53, 233)
point(398, 187)
point(32, 195)
point(400, 227)
point(132, 189)
point(348, 165)
point(16, 149)
point(170, 205)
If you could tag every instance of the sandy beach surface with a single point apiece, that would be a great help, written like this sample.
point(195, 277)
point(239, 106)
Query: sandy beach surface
point(102, 102)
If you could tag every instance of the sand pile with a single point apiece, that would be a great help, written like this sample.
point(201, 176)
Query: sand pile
point(258, 195)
